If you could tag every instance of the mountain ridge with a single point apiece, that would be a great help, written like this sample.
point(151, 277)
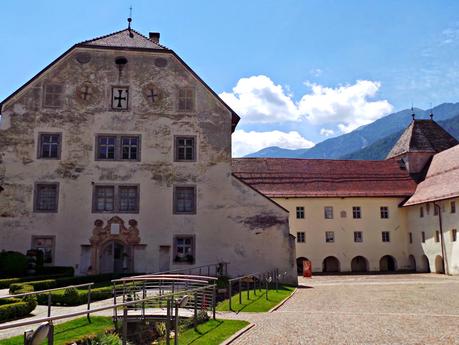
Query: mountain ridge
point(364, 137)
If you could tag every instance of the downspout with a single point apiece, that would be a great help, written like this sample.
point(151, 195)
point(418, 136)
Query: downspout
point(442, 239)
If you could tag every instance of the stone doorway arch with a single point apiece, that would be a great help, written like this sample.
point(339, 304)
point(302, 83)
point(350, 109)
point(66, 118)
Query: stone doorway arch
point(425, 265)
point(439, 264)
point(113, 245)
point(114, 257)
point(412, 262)
point(300, 264)
point(331, 265)
point(387, 264)
point(359, 264)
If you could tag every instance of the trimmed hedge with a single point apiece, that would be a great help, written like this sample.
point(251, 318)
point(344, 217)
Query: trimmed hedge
point(5, 283)
point(72, 297)
point(12, 263)
point(62, 282)
point(14, 308)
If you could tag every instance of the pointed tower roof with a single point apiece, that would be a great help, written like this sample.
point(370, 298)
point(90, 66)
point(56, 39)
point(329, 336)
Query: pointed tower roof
point(127, 38)
point(423, 136)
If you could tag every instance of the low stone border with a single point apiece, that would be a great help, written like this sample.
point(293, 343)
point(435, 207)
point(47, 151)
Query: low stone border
point(238, 334)
point(282, 302)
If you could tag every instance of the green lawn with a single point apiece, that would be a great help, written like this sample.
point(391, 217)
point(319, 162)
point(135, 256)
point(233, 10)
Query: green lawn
point(212, 332)
point(71, 330)
point(256, 303)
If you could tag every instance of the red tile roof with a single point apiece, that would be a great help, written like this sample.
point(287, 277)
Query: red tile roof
point(123, 39)
point(442, 179)
point(284, 177)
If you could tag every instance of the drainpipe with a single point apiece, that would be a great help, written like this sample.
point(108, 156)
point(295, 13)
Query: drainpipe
point(442, 239)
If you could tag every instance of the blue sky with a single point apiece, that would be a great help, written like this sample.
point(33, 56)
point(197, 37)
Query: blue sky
point(296, 71)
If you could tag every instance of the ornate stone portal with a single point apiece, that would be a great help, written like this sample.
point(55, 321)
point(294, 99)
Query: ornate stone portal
point(113, 245)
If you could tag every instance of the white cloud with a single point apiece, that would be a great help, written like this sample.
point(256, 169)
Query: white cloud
point(327, 132)
point(258, 100)
point(348, 105)
point(316, 72)
point(249, 142)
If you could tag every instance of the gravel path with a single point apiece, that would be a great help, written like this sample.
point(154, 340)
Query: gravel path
point(382, 309)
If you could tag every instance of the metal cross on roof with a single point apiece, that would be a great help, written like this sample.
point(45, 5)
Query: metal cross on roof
point(129, 22)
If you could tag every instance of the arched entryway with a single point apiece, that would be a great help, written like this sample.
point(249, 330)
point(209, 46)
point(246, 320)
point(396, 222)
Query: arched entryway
point(412, 262)
point(425, 266)
point(387, 264)
point(439, 264)
point(330, 265)
point(359, 264)
point(114, 257)
point(300, 265)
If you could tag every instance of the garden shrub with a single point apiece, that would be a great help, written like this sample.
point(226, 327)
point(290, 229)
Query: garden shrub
point(12, 263)
point(14, 308)
point(71, 296)
point(5, 283)
point(65, 281)
point(106, 339)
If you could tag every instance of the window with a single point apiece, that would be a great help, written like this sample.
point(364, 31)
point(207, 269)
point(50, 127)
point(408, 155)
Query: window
point(300, 212)
point(437, 236)
point(453, 207)
point(435, 210)
point(421, 212)
point(356, 212)
point(453, 235)
point(184, 249)
point(53, 95)
point(110, 198)
point(49, 145)
point(44, 244)
point(129, 148)
point(118, 147)
point(328, 212)
point(358, 236)
point(46, 197)
point(410, 236)
point(128, 199)
point(329, 236)
point(428, 208)
point(384, 211)
point(385, 236)
point(186, 99)
point(300, 237)
point(185, 200)
point(423, 237)
point(185, 149)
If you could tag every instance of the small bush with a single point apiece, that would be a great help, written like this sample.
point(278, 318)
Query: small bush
point(12, 263)
point(14, 308)
point(71, 296)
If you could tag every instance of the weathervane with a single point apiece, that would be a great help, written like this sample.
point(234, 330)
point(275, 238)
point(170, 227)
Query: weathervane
point(413, 115)
point(129, 22)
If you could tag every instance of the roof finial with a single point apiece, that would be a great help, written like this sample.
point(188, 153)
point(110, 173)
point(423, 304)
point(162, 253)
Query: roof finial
point(413, 115)
point(431, 111)
point(129, 22)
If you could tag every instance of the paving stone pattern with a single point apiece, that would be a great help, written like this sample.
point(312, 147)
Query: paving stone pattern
point(380, 309)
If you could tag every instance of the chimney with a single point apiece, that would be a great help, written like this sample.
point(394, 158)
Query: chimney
point(154, 37)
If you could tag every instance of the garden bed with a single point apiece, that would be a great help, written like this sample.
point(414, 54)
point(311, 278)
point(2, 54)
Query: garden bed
point(256, 303)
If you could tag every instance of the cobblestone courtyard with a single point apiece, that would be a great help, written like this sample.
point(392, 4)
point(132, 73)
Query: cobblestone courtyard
point(367, 309)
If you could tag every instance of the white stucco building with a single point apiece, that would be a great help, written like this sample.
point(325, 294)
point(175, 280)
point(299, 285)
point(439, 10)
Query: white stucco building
point(354, 215)
point(117, 158)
